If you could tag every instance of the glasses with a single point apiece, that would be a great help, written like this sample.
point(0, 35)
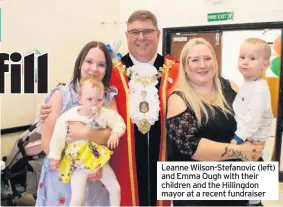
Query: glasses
point(134, 33)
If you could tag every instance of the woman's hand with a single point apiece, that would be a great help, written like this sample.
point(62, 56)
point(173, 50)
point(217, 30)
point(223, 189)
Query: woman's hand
point(251, 151)
point(95, 176)
point(45, 110)
point(77, 131)
point(258, 143)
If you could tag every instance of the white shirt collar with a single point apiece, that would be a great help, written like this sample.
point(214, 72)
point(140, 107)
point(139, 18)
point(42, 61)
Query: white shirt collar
point(135, 61)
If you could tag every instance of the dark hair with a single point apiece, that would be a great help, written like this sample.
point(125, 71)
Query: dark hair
point(81, 57)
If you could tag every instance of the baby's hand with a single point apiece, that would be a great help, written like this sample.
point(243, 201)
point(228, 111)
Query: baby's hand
point(54, 164)
point(233, 141)
point(113, 141)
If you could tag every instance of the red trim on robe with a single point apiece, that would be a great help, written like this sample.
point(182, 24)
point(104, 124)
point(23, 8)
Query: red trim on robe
point(120, 160)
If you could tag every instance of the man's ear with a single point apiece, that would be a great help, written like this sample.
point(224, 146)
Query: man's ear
point(158, 34)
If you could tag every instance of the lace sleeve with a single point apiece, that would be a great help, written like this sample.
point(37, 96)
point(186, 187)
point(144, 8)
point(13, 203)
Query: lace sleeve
point(182, 130)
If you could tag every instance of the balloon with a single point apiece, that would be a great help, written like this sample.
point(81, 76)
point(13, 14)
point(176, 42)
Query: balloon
point(109, 48)
point(118, 56)
point(275, 65)
point(116, 46)
point(115, 55)
point(277, 46)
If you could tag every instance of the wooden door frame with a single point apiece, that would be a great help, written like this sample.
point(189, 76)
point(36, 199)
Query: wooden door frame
point(167, 32)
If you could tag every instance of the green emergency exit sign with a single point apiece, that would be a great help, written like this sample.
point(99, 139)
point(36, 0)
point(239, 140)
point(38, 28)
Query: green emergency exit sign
point(221, 16)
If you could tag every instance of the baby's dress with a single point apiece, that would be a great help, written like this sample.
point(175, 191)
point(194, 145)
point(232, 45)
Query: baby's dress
point(83, 155)
point(51, 191)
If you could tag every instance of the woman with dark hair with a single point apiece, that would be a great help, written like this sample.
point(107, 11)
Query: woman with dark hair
point(94, 59)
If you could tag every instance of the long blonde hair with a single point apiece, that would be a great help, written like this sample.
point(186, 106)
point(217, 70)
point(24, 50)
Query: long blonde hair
point(191, 96)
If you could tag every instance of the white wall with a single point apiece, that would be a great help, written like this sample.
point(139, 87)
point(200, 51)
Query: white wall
point(182, 13)
point(231, 42)
point(57, 27)
point(62, 27)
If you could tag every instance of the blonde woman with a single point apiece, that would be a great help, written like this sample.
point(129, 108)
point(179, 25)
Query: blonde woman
point(200, 119)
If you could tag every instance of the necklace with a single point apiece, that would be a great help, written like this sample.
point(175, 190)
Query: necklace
point(144, 99)
point(144, 79)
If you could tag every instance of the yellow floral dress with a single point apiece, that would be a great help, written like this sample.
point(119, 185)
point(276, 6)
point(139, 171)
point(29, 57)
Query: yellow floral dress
point(82, 155)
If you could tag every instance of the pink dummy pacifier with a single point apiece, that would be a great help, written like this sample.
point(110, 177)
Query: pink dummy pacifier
point(94, 111)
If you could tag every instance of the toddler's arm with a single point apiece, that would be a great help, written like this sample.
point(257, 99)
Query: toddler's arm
point(58, 139)
point(117, 124)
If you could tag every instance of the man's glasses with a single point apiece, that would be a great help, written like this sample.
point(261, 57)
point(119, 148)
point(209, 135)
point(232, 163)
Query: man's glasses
point(134, 33)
